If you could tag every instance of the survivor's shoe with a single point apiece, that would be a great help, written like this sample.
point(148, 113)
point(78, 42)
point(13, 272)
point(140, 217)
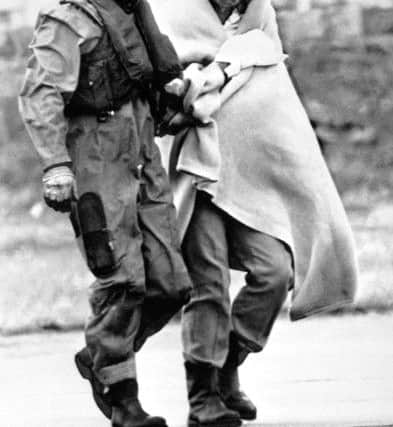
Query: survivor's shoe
point(85, 367)
point(233, 397)
point(206, 406)
point(127, 410)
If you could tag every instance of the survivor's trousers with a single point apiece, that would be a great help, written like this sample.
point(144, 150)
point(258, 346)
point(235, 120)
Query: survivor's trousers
point(214, 243)
point(118, 160)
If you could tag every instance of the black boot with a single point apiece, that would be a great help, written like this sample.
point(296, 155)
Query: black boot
point(206, 406)
point(229, 386)
point(84, 364)
point(233, 397)
point(127, 410)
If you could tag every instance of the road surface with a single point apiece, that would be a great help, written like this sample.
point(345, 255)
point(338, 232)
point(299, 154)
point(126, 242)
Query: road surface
point(329, 371)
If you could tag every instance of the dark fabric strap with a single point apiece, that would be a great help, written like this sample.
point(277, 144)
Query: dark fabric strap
point(162, 54)
point(135, 93)
point(117, 40)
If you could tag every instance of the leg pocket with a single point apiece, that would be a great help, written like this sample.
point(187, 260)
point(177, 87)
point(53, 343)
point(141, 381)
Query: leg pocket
point(97, 239)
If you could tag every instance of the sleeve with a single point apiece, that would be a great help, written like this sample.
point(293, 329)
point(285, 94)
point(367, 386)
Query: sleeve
point(160, 49)
point(52, 73)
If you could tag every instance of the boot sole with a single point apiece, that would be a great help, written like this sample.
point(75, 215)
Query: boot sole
point(245, 414)
point(248, 416)
point(222, 423)
point(87, 374)
point(150, 425)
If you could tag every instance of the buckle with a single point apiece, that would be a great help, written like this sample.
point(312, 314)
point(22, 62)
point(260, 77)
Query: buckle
point(138, 170)
point(104, 116)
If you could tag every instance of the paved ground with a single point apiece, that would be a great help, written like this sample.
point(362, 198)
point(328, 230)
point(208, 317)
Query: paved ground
point(323, 372)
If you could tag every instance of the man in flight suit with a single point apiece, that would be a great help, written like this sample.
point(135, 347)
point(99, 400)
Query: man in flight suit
point(85, 105)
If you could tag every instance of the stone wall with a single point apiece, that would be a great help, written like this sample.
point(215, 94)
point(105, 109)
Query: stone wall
point(309, 4)
point(334, 21)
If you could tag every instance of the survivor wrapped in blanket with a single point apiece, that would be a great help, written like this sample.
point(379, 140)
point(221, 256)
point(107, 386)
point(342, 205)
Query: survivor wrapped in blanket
point(263, 163)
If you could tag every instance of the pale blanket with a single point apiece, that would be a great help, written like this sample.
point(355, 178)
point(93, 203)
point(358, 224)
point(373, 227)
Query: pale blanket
point(258, 156)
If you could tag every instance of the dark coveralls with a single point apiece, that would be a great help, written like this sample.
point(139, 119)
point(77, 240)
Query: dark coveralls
point(109, 141)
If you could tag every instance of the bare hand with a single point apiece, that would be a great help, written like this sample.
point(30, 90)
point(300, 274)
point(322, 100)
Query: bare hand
point(58, 188)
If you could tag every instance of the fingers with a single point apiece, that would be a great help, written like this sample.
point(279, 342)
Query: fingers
point(59, 188)
point(59, 197)
point(58, 193)
point(49, 194)
point(64, 193)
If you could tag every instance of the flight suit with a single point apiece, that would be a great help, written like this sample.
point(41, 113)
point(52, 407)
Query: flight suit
point(85, 105)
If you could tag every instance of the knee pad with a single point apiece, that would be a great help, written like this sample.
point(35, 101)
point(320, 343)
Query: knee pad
point(89, 222)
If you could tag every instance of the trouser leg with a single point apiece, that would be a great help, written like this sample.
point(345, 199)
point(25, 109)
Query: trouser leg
point(206, 319)
point(115, 159)
point(268, 264)
point(167, 281)
point(105, 158)
point(214, 242)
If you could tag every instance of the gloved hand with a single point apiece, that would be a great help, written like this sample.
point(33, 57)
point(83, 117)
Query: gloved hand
point(59, 188)
point(172, 118)
point(174, 122)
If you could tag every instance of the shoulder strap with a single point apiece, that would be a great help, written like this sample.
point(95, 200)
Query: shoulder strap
point(115, 37)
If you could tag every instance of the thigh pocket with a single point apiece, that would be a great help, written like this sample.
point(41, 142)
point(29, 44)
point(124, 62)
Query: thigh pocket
point(89, 223)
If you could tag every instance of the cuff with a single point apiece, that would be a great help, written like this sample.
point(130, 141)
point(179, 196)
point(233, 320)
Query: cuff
point(60, 159)
point(115, 373)
point(56, 165)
